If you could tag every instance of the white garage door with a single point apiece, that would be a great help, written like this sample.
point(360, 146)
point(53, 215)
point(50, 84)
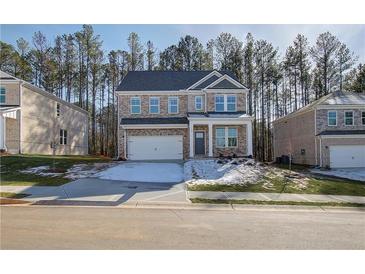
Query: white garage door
point(347, 156)
point(155, 147)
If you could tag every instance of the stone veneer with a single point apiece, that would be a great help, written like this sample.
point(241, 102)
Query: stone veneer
point(154, 132)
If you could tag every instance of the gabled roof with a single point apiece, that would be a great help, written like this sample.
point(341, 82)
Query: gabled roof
point(336, 98)
point(167, 80)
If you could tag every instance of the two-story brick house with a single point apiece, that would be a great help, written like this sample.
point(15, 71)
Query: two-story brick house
point(182, 114)
point(31, 119)
point(329, 132)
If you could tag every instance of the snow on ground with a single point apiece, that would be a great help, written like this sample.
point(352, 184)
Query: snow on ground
point(214, 172)
point(348, 173)
point(144, 172)
point(75, 172)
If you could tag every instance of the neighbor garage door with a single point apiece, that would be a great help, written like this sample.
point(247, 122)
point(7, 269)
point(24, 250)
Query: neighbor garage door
point(347, 156)
point(155, 147)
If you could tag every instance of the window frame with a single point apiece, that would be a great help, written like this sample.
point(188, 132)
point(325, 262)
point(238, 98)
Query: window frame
point(363, 118)
point(201, 102)
point(215, 102)
point(158, 105)
point(63, 137)
point(328, 118)
point(169, 104)
point(3, 95)
point(131, 104)
point(226, 137)
point(235, 102)
point(344, 117)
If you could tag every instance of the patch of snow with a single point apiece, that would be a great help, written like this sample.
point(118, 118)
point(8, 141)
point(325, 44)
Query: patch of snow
point(357, 174)
point(144, 172)
point(83, 170)
point(40, 170)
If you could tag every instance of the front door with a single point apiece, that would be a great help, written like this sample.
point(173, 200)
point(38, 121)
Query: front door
point(199, 143)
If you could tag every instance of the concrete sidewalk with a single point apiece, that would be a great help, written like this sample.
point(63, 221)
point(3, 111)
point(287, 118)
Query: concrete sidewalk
point(275, 197)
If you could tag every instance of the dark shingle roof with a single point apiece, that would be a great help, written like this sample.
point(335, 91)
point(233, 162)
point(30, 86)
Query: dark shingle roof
point(342, 132)
point(163, 80)
point(153, 121)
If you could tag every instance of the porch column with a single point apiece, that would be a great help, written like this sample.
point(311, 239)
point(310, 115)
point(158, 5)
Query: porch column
point(191, 139)
point(249, 138)
point(210, 138)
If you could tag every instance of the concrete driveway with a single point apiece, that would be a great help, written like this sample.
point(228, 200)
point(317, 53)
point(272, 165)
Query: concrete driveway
point(357, 174)
point(138, 182)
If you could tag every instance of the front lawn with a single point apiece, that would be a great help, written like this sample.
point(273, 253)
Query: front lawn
point(11, 195)
point(11, 165)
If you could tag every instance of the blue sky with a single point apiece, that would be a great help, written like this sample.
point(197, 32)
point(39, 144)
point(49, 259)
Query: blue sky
point(115, 36)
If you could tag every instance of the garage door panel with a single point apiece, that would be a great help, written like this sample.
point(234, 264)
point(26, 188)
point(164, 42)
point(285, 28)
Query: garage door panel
point(342, 156)
point(155, 147)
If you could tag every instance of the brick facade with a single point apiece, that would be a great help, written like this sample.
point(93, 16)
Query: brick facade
point(240, 150)
point(241, 101)
point(322, 120)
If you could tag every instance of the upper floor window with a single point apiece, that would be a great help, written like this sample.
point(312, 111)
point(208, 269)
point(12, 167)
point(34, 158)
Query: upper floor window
point(58, 109)
point(2, 95)
point(63, 137)
point(231, 103)
point(135, 105)
point(332, 118)
point(219, 103)
point(198, 103)
point(154, 105)
point(349, 118)
point(173, 105)
point(363, 117)
point(225, 103)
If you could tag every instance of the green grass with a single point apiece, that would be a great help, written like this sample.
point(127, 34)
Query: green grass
point(11, 195)
point(282, 185)
point(254, 202)
point(12, 164)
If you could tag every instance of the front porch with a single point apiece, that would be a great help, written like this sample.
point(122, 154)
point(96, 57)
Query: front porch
point(220, 134)
point(9, 128)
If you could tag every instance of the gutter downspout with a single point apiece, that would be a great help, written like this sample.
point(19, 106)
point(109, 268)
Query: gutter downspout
point(21, 117)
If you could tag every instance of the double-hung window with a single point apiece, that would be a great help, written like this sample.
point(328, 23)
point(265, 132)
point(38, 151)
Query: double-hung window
point(220, 137)
point(154, 105)
point(231, 102)
point(363, 118)
point(135, 105)
point(225, 103)
point(63, 137)
point(226, 136)
point(2, 95)
point(219, 103)
point(349, 118)
point(173, 105)
point(198, 103)
point(332, 118)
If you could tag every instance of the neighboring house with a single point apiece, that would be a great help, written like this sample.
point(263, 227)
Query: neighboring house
point(32, 119)
point(329, 132)
point(182, 114)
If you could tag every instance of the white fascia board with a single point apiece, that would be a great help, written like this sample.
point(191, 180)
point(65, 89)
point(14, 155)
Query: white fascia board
point(359, 106)
point(213, 73)
point(220, 121)
point(351, 136)
point(226, 91)
point(14, 81)
point(4, 111)
point(228, 78)
point(152, 92)
point(147, 126)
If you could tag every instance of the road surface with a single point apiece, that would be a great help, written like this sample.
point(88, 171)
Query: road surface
point(128, 228)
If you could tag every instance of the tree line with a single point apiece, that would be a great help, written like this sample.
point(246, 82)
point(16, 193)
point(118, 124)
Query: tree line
point(75, 68)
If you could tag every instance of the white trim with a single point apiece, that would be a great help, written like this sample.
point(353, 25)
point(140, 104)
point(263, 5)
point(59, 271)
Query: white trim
point(249, 138)
point(210, 140)
point(130, 105)
point(359, 106)
point(201, 102)
point(328, 118)
point(320, 151)
point(21, 119)
point(125, 144)
point(224, 91)
point(118, 129)
point(226, 137)
point(200, 130)
point(344, 118)
point(168, 104)
point(143, 126)
point(349, 136)
point(149, 104)
point(225, 102)
point(228, 78)
point(214, 72)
